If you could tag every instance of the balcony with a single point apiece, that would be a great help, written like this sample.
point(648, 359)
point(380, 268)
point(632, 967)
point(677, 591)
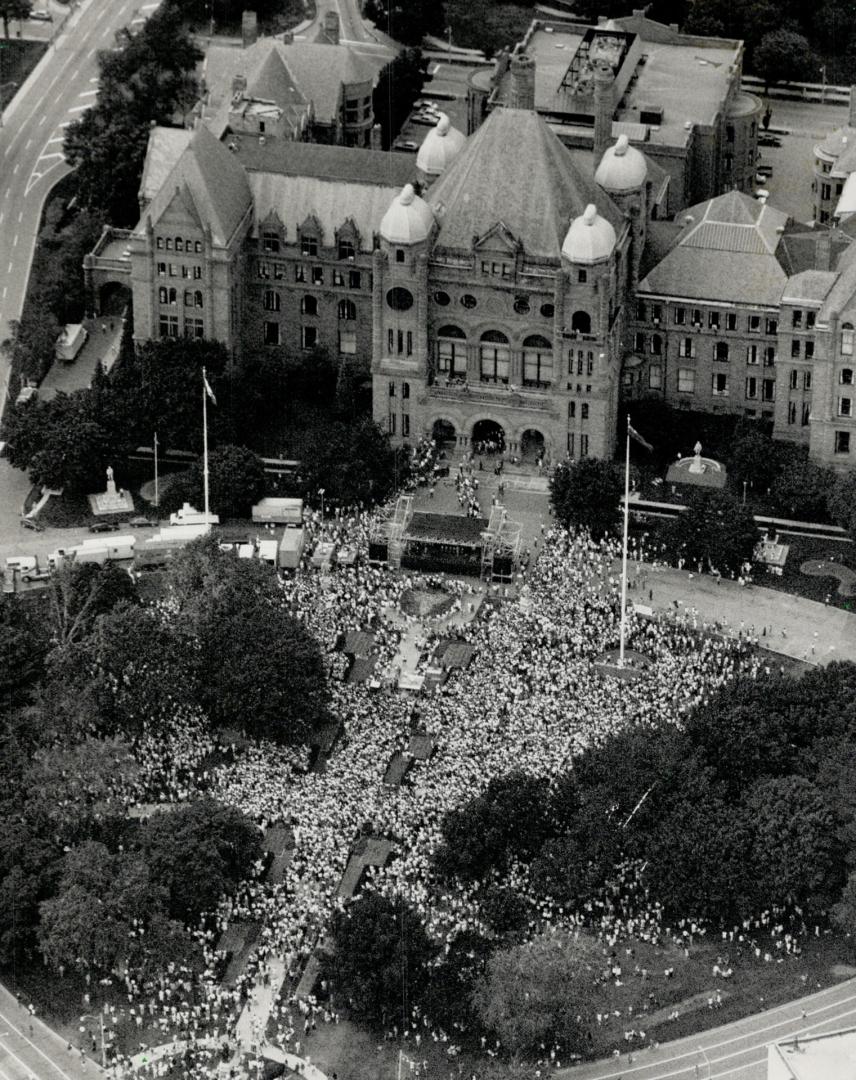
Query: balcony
point(499, 396)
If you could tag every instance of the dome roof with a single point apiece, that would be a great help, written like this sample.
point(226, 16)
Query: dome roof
point(622, 167)
point(590, 238)
point(441, 146)
point(409, 219)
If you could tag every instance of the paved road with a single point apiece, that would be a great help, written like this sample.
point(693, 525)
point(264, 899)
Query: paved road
point(30, 1050)
point(737, 1051)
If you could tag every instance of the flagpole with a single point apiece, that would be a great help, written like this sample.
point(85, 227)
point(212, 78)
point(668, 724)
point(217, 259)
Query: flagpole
point(624, 548)
point(205, 443)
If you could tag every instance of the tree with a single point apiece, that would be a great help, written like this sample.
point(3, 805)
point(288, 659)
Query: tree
point(236, 481)
point(841, 502)
point(752, 457)
point(714, 530)
point(198, 853)
point(398, 86)
point(534, 992)
point(407, 22)
point(14, 9)
point(259, 668)
point(801, 490)
point(79, 592)
point(844, 912)
point(783, 55)
point(379, 959)
point(586, 493)
point(354, 463)
point(23, 643)
point(485, 833)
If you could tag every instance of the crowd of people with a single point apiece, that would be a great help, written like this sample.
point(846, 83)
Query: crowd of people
point(532, 700)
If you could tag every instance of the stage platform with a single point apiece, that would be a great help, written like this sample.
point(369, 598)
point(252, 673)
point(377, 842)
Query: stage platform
point(446, 529)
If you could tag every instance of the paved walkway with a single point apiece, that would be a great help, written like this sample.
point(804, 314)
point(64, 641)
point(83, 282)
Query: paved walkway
point(799, 628)
point(30, 1050)
point(737, 1050)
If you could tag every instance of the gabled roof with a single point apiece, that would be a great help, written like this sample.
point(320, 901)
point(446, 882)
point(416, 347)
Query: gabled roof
point(214, 181)
point(514, 170)
point(809, 286)
point(271, 80)
point(727, 250)
point(165, 147)
point(321, 70)
point(346, 164)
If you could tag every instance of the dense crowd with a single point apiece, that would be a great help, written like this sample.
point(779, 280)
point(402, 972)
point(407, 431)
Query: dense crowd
point(533, 688)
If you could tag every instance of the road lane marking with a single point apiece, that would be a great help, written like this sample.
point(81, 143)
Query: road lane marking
point(17, 166)
point(21, 216)
point(15, 241)
point(37, 1049)
point(87, 93)
point(57, 138)
point(79, 108)
point(44, 117)
point(1, 218)
point(29, 144)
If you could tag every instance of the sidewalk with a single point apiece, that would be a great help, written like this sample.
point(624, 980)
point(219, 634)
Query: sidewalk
point(27, 1043)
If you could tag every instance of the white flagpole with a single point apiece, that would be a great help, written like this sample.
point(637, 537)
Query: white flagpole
point(205, 444)
point(157, 499)
point(624, 549)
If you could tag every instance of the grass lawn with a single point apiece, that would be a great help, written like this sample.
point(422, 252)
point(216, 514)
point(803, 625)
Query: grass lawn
point(17, 60)
point(793, 581)
point(72, 511)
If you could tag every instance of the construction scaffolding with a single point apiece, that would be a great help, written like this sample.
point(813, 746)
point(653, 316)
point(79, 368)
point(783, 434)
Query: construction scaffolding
point(389, 534)
point(500, 548)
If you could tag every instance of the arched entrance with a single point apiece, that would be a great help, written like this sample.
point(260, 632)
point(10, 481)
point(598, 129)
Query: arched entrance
point(532, 446)
point(488, 437)
point(443, 434)
point(113, 298)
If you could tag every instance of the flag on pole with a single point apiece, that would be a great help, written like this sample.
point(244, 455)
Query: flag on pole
point(210, 392)
point(634, 434)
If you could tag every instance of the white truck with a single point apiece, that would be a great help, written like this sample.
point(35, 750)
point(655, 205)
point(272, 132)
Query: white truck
point(279, 511)
point(291, 549)
point(98, 550)
point(70, 342)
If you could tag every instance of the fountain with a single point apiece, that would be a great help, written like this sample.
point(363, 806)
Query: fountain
point(697, 471)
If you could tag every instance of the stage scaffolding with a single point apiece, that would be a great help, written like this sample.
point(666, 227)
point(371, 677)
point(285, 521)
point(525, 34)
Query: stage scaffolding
point(391, 531)
point(501, 547)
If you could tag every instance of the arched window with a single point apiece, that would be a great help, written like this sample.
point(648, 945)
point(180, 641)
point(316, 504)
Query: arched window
point(494, 357)
point(309, 305)
point(847, 339)
point(347, 310)
point(537, 361)
point(581, 322)
point(451, 352)
point(656, 344)
point(846, 376)
point(179, 244)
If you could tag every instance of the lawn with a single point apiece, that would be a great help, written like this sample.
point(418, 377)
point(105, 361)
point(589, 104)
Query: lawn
point(822, 589)
point(17, 60)
point(489, 26)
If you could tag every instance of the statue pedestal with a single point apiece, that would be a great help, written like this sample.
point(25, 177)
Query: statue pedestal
point(111, 502)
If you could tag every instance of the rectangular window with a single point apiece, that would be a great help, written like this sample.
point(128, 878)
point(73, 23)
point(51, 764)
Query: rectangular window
point(161, 269)
point(270, 241)
point(347, 249)
point(809, 349)
point(390, 341)
point(731, 320)
point(720, 352)
point(197, 246)
point(271, 332)
point(769, 390)
point(409, 342)
point(168, 326)
point(570, 444)
point(590, 364)
point(795, 349)
point(792, 412)
point(845, 406)
point(794, 379)
point(354, 279)
point(752, 354)
point(582, 277)
point(309, 336)
point(641, 311)
point(639, 343)
point(169, 243)
point(348, 342)
point(300, 273)
point(686, 381)
point(584, 411)
point(754, 324)
point(197, 273)
point(172, 270)
point(391, 389)
point(159, 243)
point(308, 245)
point(696, 317)
point(713, 320)
point(338, 277)
point(751, 387)
point(806, 380)
point(686, 348)
point(272, 300)
point(264, 270)
point(772, 327)
point(680, 316)
point(485, 267)
point(805, 414)
point(179, 244)
point(185, 271)
point(405, 425)
point(810, 316)
point(572, 410)
point(391, 423)
point(796, 320)
point(400, 342)
point(317, 275)
point(655, 377)
point(769, 355)
point(584, 445)
point(719, 384)
point(194, 328)
point(842, 442)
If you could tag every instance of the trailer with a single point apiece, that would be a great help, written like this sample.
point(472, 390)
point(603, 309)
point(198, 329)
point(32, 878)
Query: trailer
point(70, 342)
point(291, 549)
point(279, 511)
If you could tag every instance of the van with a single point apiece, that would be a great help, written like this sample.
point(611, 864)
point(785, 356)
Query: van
point(21, 564)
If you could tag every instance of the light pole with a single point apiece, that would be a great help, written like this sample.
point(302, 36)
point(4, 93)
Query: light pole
point(89, 1016)
point(157, 498)
point(322, 492)
point(745, 482)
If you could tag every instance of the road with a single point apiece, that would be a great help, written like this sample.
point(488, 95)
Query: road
point(737, 1051)
point(29, 1050)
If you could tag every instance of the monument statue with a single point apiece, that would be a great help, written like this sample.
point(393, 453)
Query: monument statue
point(111, 483)
point(697, 465)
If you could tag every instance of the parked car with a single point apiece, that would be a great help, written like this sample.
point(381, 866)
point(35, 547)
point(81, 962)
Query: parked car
point(769, 140)
point(142, 523)
point(27, 393)
point(40, 16)
point(103, 526)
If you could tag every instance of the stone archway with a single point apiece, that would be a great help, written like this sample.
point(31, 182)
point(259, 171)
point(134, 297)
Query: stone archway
point(533, 446)
point(444, 434)
point(488, 437)
point(113, 298)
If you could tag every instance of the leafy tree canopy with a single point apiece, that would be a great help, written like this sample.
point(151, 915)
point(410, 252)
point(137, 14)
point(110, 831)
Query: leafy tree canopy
point(586, 493)
point(715, 530)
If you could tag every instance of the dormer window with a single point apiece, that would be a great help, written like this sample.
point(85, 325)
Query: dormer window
point(270, 241)
point(347, 249)
point(309, 245)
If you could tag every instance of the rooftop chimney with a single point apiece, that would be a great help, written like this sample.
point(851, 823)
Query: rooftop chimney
point(249, 29)
point(331, 27)
point(522, 82)
point(239, 84)
point(604, 107)
point(851, 120)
